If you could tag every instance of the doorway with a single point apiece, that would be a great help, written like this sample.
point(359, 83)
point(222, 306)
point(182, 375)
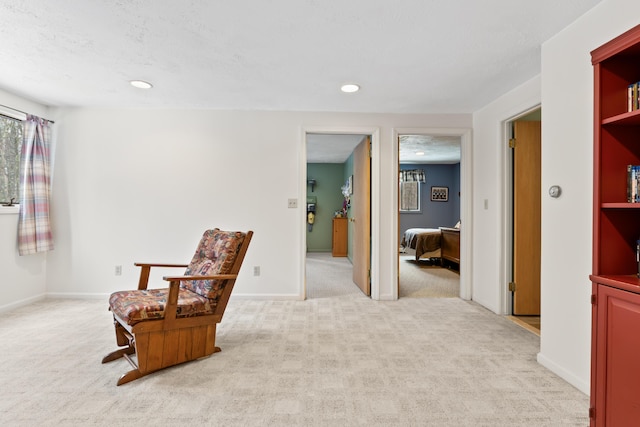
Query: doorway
point(338, 178)
point(429, 215)
point(525, 219)
point(466, 201)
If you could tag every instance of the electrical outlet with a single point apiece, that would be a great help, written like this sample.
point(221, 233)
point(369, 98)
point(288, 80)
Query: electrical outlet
point(293, 203)
point(256, 270)
point(118, 270)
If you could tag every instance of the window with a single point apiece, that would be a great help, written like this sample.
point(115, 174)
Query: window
point(410, 196)
point(10, 146)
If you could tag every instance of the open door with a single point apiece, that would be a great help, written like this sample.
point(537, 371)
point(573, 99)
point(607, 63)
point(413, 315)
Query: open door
point(361, 216)
point(526, 218)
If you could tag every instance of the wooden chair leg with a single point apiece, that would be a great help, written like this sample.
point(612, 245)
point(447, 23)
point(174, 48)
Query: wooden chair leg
point(117, 354)
point(130, 376)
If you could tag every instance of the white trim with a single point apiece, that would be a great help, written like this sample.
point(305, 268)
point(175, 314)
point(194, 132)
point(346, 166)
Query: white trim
point(5, 111)
point(506, 249)
point(466, 200)
point(267, 297)
point(22, 303)
point(77, 295)
point(6, 210)
point(375, 198)
point(575, 381)
point(14, 114)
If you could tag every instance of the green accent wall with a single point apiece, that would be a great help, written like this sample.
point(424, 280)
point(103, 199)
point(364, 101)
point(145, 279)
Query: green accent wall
point(329, 178)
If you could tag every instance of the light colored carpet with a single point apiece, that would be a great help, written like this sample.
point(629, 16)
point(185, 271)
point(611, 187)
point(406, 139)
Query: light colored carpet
point(329, 276)
point(418, 279)
point(330, 361)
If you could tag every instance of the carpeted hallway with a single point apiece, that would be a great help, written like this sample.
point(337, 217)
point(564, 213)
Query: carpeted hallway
point(329, 276)
point(342, 360)
point(419, 279)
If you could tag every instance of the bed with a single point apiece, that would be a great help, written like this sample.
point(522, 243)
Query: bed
point(441, 242)
point(426, 242)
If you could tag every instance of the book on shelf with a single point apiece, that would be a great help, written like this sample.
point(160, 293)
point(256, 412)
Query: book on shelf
point(633, 183)
point(633, 100)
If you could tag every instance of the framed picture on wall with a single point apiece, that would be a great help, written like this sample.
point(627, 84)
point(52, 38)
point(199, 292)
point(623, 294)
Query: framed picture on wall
point(439, 194)
point(350, 184)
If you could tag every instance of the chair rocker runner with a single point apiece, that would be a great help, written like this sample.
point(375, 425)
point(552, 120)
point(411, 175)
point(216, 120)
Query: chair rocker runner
point(165, 327)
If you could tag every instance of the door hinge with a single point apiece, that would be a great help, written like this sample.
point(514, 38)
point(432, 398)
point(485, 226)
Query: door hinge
point(512, 286)
point(592, 412)
point(512, 143)
point(593, 299)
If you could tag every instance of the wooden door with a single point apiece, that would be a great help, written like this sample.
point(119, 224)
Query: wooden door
point(361, 216)
point(526, 217)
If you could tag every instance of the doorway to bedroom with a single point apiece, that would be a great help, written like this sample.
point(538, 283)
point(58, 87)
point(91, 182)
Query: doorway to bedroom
point(429, 215)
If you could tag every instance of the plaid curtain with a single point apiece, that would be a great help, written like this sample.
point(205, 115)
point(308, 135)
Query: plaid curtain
point(413, 175)
point(34, 229)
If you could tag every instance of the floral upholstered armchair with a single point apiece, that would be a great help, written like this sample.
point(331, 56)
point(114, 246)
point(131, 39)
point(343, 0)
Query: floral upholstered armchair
point(168, 326)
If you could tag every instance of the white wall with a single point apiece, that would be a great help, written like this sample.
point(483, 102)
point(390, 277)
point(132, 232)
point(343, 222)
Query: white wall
point(567, 160)
point(489, 172)
point(142, 185)
point(23, 278)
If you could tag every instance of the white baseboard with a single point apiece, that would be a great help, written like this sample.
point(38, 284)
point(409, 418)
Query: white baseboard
point(569, 377)
point(277, 297)
point(77, 295)
point(21, 303)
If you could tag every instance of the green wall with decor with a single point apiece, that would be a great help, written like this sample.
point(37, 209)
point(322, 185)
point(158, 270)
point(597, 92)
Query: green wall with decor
point(329, 177)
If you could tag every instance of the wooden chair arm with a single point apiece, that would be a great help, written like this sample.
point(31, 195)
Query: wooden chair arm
point(214, 277)
point(145, 264)
point(146, 270)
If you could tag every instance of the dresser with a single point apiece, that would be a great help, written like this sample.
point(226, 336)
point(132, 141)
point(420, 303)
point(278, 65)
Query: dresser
point(451, 244)
point(339, 237)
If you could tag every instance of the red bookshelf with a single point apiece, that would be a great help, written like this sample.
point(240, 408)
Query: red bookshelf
point(615, 352)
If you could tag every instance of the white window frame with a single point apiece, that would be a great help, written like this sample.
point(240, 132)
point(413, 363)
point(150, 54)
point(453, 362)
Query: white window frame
point(12, 114)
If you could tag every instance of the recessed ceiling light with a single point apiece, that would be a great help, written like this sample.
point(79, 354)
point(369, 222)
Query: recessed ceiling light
point(140, 84)
point(419, 153)
point(350, 88)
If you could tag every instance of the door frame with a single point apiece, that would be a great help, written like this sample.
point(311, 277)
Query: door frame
point(506, 297)
point(374, 132)
point(466, 201)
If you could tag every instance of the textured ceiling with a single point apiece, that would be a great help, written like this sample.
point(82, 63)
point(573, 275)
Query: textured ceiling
point(435, 149)
point(325, 148)
point(409, 56)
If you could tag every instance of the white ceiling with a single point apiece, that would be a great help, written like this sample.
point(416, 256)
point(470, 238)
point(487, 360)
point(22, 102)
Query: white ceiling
point(409, 56)
point(435, 149)
point(327, 148)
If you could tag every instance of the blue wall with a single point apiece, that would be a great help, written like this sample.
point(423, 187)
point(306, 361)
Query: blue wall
point(435, 214)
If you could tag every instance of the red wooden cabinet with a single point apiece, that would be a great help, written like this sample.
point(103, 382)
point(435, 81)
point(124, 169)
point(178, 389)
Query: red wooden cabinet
point(615, 344)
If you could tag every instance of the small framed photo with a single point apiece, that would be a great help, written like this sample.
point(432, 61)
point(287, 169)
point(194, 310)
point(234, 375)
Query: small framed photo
point(439, 194)
point(350, 184)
